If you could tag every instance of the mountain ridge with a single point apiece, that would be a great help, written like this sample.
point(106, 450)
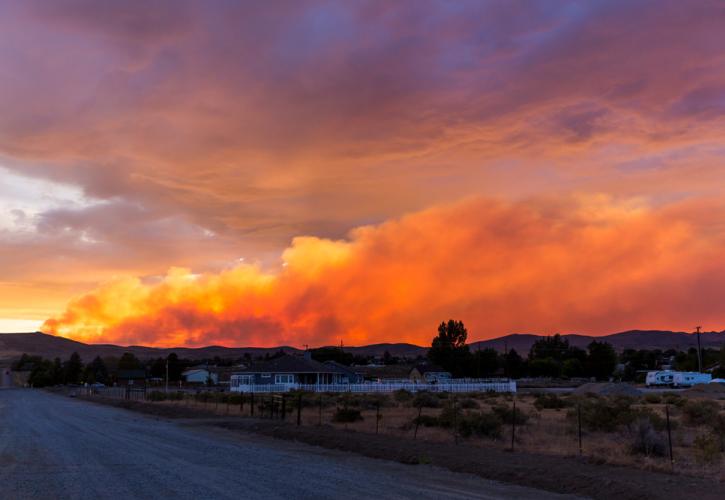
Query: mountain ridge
point(13, 345)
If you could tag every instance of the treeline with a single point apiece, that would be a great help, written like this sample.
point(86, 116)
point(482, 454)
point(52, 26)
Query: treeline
point(46, 372)
point(554, 357)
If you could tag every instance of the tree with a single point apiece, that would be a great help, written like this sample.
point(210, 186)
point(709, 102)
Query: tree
point(556, 348)
point(602, 360)
point(513, 364)
point(128, 362)
point(96, 372)
point(448, 349)
point(73, 369)
point(485, 363)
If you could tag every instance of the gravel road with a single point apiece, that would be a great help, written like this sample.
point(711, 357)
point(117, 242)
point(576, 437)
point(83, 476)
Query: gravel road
point(56, 447)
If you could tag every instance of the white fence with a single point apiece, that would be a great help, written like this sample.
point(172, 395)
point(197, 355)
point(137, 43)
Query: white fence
point(499, 385)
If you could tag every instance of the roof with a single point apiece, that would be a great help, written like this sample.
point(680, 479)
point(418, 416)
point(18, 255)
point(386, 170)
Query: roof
point(340, 368)
point(290, 364)
point(131, 374)
point(429, 368)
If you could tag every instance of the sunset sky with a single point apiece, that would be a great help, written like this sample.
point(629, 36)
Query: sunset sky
point(306, 172)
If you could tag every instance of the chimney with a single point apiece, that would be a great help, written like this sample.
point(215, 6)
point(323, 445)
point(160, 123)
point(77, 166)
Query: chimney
point(308, 354)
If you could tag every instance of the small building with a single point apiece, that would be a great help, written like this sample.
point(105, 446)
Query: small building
point(429, 373)
point(131, 377)
point(200, 376)
point(290, 370)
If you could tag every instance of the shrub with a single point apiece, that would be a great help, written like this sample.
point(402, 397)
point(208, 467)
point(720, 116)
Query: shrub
point(156, 396)
point(707, 448)
point(700, 412)
point(653, 399)
point(600, 414)
point(483, 424)
point(672, 398)
point(402, 396)
point(658, 421)
point(506, 415)
point(426, 400)
point(468, 404)
point(550, 401)
point(426, 421)
point(646, 441)
point(347, 415)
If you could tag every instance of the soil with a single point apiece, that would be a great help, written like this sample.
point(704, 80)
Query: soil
point(571, 475)
point(608, 389)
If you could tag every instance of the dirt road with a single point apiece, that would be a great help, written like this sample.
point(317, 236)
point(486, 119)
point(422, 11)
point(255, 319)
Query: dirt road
point(57, 447)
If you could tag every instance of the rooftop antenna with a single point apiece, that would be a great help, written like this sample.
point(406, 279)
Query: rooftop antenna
point(699, 350)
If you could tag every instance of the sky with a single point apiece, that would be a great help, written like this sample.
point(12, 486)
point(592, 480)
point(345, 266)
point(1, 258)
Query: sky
point(309, 172)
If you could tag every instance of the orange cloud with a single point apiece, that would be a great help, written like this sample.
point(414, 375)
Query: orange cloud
point(591, 264)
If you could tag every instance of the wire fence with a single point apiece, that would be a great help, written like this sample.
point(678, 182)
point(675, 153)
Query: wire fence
point(501, 419)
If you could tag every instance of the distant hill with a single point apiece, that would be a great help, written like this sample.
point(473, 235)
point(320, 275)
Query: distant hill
point(631, 339)
point(13, 345)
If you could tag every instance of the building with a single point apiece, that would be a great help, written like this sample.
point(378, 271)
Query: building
point(197, 375)
point(131, 377)
point(429, 373)
point(289, 370)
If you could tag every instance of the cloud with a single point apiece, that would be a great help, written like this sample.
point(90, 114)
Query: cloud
point(206, 131)
point(589, 265)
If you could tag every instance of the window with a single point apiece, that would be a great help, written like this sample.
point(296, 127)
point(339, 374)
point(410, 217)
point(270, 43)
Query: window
point(284, 379)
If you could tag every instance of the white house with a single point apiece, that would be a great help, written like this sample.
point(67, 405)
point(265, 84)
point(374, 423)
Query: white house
point(199, 376)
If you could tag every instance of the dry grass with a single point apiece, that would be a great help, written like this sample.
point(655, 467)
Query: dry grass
point(548, 431)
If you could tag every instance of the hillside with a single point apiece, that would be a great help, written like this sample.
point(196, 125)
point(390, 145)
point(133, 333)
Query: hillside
point(631, 339)
point(13, 345)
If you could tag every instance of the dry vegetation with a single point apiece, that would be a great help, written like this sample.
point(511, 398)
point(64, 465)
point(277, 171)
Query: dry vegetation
point(616, 430)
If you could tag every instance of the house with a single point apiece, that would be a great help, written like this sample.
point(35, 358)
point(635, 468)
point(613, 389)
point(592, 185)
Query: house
point(429, 373)
point(353, 376)
point(289, 369)
point(131, 377)
point(198, 375)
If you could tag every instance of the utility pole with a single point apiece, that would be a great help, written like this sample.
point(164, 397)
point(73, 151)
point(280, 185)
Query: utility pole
point(699, 350)
point(167, 374)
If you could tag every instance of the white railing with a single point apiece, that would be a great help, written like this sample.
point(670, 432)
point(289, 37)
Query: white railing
point(502, 385)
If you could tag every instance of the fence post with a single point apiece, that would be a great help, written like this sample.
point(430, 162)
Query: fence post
point(579, 419)
point(417, 422)
point(299, 409)
point(669, 435)
point(251, 403)
point(455, 420)
point(320, 422)
point(513, 425)
point(377, 416)
point(241, 402)
point(284, 407)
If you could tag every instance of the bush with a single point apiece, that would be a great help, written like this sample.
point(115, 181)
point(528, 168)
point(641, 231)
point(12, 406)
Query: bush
point(550, 402)
point(658, 421)
point(700, 412)
point(402, 396)
point(156, 396)
point(707, 449)
point(601, 414)
point(646, 441)
point(482, 424)
point(506, 414)
point(468, 404)
point(672, 398)
point(426, 400)
point(426, 421)
point(347, 415)
point(653, 399)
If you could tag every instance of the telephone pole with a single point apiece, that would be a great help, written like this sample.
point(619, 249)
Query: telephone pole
point(699, 350)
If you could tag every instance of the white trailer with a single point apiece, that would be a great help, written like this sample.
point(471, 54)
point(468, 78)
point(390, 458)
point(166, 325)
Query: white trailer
point(663, 377)
point(688, 379)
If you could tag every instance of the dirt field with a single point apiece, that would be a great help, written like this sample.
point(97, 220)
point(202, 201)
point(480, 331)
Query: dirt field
point(546, 447)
